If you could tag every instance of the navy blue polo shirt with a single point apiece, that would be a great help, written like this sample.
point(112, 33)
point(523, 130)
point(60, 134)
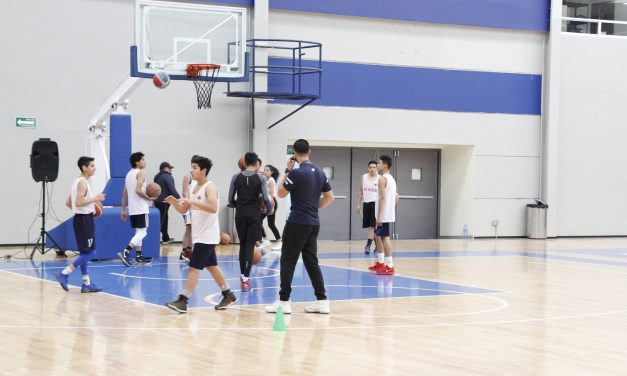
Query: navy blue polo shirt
point(305, 185)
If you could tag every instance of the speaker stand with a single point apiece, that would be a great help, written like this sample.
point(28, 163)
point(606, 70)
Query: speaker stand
point(40, 244)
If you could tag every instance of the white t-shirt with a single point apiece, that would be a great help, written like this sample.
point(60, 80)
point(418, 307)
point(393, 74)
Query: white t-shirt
point(87, 209)
point(205, 225)
point(136, 203)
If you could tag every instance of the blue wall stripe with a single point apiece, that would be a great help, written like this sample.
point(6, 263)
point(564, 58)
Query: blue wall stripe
point(507, 14)
point(383, 86)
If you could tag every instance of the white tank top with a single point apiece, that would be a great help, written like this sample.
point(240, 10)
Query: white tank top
point(205, 225)
point(136, 203)
point(276, 190)
point(388, 214)
point(87, 209)
point(370, 188)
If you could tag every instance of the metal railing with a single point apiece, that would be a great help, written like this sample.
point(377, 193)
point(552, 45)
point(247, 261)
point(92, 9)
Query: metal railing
point(572, 25)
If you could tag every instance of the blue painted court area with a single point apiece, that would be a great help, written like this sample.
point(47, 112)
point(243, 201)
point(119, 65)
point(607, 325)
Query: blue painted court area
point(165, 278)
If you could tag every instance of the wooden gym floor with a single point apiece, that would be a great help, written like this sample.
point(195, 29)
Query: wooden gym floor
point(477, 307)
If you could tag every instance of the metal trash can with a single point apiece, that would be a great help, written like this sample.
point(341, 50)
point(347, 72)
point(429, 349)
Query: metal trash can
point(536, 220)
point(230, 228)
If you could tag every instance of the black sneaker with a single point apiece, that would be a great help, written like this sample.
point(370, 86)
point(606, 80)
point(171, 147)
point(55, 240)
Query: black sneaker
point(228, 298)
point(179, 305)
point(143, 261)
point(124, 257)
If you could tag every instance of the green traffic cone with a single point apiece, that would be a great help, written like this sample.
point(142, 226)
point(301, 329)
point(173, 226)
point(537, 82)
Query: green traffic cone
point(279, 321)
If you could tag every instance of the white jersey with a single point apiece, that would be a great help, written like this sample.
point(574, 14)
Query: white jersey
point(388, 215)
point(87, 209)
point(370, 188)
point(205, 225)
point(136, 203)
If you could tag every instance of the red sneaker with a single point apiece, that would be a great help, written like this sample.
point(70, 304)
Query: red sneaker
point(245, 286)
point(377, 265)
point(385, 271)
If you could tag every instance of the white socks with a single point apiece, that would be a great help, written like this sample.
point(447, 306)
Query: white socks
point(68, 270)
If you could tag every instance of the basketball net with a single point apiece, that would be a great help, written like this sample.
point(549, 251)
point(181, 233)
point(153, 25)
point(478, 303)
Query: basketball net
point(204, 77)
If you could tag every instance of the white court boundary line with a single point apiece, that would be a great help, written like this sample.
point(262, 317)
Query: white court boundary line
point(78, 288)
point(504, 304)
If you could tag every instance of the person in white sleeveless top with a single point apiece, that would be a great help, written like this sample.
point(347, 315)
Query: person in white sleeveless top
point(138, 209)
point(369, 194)
point(188, 186)
point(203, 205)
point(82, 202)
point(272, 174)
point(385, 209)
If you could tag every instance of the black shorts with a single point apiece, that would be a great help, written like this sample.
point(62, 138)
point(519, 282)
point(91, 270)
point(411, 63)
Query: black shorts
point(139, 221)
point(368, 215)
point(203, 255)
point(84, 231)
point(383, 230)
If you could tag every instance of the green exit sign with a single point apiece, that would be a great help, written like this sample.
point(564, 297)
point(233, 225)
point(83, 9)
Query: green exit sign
point(26, 122)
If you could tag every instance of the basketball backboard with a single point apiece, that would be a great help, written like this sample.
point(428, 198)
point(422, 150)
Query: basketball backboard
point(170, 35)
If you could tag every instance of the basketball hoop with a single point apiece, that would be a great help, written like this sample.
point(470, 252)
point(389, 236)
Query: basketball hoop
point(204, 77)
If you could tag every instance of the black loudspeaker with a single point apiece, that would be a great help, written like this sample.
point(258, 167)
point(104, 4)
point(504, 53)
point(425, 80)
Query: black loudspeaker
point(44, 160)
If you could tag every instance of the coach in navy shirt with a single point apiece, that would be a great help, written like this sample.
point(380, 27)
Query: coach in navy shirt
point(300, 235)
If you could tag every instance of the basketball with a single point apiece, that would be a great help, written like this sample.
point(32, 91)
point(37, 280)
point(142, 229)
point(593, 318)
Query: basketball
point(98, 206)
point(256, 255)
point(225, 238)
point(161, 80)
point(153, 190)
point(241, 164)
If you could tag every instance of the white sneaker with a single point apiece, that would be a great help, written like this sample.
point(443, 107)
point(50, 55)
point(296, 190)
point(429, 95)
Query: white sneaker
point(265, 243)
point(319, 306)
point(287, 309)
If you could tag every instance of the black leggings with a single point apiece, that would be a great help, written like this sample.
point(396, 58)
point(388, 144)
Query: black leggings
point(248, 232)
point(271, 225)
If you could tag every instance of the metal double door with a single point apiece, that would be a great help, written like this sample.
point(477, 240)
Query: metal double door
point(416, 172)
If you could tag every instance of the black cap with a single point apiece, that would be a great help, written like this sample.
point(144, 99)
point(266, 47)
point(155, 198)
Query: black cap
point(164, 165)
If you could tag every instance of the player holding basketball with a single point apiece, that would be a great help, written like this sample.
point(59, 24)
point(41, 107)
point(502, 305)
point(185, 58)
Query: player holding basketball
point(82, 203)
point(138, 209)
point(385, 209)
point(204, 205)
point(300, 235)
point(244, 191)
point(369, 194)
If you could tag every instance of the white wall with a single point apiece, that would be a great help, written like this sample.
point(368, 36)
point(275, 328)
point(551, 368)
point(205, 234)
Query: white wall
point(368, 40)
point(592, 174)
point(490, 162)
point(61, 59)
